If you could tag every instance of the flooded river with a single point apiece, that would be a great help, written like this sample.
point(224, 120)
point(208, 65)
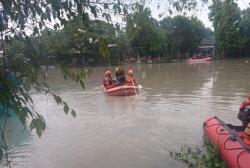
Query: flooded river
point(131, 132)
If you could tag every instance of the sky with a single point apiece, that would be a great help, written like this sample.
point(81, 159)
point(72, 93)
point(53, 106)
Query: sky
point(202, 12)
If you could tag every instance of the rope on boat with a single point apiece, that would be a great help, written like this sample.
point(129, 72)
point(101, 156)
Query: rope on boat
point(134, 87)
point(125, 90)
point(238, 157)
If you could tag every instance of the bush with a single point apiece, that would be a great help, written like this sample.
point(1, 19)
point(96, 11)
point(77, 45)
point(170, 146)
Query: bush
point(204, 157)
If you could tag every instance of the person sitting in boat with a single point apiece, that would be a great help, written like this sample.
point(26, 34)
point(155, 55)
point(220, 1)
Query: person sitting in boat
point(107, 81)
point(120, 76)
point(117, 73)
point(130, 77)
point(244, 112)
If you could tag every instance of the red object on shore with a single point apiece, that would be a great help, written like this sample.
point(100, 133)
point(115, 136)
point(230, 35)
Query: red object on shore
point(225, 137)
point(123, 90)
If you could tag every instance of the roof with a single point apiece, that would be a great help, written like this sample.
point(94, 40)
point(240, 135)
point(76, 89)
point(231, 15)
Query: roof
point(206, 46)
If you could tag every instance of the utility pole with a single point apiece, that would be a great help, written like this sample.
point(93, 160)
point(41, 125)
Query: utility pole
point(2, 38)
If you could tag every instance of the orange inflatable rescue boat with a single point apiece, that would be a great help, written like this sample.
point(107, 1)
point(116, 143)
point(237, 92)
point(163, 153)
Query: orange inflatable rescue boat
point(123, 90)
point(227, 138)
point(123, 86)
point(198, 60)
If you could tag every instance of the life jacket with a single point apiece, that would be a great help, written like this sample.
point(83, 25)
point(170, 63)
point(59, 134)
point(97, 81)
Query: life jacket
point(244, 112)
point(247, 130)
point(246, 141)
point(245, 103)
point(130, 80)
point(107, 81)
point(121, 78)
point(246, 137)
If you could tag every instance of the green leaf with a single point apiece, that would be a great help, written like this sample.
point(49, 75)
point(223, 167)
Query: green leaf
point(93, 11)
point(58, 99)
point(46, 85)
point(35, 30)
point(1, 154)
point(73, 113)
point(106, 6)
point(82, 84)
point(77, 78)
point(40, 25)
point(83, 74)
point(32, 125)
point(26, 86)
point(39, 125)
point(66, 108)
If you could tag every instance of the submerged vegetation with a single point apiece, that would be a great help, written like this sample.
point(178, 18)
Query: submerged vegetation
point(199, 157)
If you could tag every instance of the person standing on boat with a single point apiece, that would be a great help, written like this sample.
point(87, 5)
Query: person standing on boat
point(130, 77)
point(107, 80)
point(244, 112)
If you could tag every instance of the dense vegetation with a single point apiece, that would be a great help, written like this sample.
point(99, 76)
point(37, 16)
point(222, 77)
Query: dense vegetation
point(94, 42)
point(84, 41)
point(231, 28)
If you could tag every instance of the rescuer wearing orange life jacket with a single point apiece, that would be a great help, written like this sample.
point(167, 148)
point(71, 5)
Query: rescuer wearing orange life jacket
point(246, 102)
point(246, 134)
point(244, 112)
point(244, 116)
point(130, 77)
point(107, 80)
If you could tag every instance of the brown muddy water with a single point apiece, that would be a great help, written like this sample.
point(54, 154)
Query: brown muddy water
point(131, 132)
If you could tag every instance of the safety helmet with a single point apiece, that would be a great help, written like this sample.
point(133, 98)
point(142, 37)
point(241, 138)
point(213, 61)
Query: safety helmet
point(116, 69)
point(130, 72)
point(107, 73)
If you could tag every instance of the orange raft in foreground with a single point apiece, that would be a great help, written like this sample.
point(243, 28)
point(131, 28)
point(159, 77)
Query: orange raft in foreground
point(225, 137)
point(123, 90)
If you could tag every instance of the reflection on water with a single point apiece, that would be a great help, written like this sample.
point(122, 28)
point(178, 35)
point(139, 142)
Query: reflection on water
point(137, 131)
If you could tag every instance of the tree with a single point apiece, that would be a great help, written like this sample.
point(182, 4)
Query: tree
point(184, 33)
point(144, 32)
point(245, 32)
point(88, 41)
point(225, 16)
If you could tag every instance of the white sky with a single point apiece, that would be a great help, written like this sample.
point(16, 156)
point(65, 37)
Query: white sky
point(202, 12)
